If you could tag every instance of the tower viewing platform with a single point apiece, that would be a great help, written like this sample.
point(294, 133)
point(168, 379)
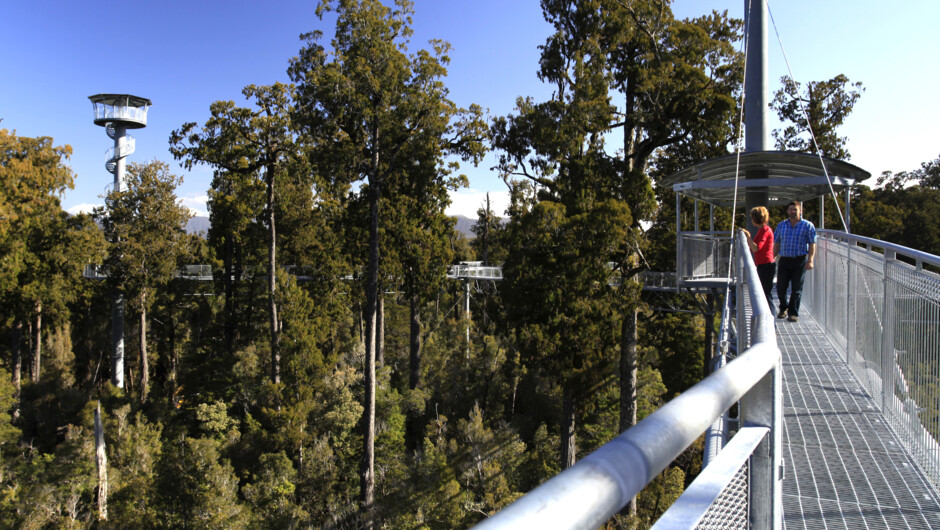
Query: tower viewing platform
point(130, 111)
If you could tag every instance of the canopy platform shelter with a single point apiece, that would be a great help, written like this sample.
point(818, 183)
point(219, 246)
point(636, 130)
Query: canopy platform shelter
point(766, 178)
point(787, 176)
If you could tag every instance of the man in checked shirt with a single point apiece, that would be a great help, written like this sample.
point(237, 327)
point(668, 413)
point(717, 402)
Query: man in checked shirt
point(795, 243)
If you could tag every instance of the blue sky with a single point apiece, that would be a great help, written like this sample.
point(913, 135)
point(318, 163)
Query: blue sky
point(183, 55)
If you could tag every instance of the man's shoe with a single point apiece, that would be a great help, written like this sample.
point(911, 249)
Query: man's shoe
point(793, 318)
point(782, 313)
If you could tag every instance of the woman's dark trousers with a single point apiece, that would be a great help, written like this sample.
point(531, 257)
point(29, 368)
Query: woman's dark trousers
point(766, 271)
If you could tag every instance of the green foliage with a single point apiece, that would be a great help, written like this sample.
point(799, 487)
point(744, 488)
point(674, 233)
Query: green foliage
point(147, 229)
point(9, 433)
point(34, 174)
point(57, 489)
point(566, 325)
point(438, 498)
point(213, 419)
point(488, 245)
point(272, 493)
point(198, 487)
point(905, 211)
point(134, 448)
point(674, 342)
point(541, 462)
point(826, 104)
point(490, 460)
point(42, 249)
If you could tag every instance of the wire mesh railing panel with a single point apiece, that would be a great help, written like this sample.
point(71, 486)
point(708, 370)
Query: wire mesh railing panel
point(720, 496)
point(866, 359)
point(837, 288)
point(730, 509)
point(917, 343)
point(703, 255)
point(893, 345)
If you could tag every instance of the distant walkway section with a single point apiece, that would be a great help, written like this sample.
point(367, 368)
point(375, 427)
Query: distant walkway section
point(845, 468)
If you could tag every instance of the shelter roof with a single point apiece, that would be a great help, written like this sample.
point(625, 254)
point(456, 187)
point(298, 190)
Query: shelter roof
point(784, 175)
point(125, 100)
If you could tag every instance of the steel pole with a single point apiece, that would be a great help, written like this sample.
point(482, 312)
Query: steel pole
point(756, 136)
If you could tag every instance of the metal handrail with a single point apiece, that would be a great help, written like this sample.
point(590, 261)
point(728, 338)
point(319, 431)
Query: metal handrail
point(587, 494)
point(918, 256)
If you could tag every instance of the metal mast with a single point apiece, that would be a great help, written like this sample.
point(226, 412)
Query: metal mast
point(756, 99)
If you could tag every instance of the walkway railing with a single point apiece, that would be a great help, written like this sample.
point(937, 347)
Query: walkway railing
point(702, 255)
point(881, 309)
point(600, 485)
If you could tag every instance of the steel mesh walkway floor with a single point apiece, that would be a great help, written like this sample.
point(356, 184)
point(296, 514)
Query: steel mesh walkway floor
point(844, 466)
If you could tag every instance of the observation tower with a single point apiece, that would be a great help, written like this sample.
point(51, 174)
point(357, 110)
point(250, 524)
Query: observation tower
point(117, 113)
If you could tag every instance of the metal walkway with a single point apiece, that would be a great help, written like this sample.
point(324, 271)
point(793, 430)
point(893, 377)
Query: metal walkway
point(844, 467)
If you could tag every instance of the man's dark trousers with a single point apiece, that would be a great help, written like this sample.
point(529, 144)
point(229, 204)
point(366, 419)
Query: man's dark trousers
point(790, 272)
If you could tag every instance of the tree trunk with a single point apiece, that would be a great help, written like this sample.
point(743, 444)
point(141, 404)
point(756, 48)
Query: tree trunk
point(172, 347)
point(413, 429)
point(101, 460)
point(628, 380)
point(144, 361)
point(486, 232)
point(90, 375)
point(368, 414)
point(16, 348)
point(117, 341)
point(37, 340)
point(380, 330)
point(359, 323)
point(228, 283)
point(272, 281)
point(238, 270)
point(569, 448)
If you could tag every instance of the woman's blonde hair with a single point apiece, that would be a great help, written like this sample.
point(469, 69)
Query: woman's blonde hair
point(760, 215)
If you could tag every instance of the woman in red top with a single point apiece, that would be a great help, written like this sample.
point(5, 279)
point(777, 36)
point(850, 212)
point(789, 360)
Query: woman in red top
point(762, 246)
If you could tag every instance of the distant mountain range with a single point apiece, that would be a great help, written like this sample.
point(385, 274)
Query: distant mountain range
point(200, 224)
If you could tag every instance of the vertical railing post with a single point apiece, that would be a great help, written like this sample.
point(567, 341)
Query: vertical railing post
point(822, 212)
point(763, 406)
point(851, 304)
point(820, 291)
point(887, 335)
point(848, 210)
point(744, 332)
point(680, 269)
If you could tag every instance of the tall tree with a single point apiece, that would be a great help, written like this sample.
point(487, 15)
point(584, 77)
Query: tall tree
point(419, 231)
point(235, 199)
point(369, 108)
point(147, 228)
point(34, 173)
point(257, 142)
point(556, 274)
point(35, 268)
point(487, 244)
point(826, 104)
point(677, 79)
